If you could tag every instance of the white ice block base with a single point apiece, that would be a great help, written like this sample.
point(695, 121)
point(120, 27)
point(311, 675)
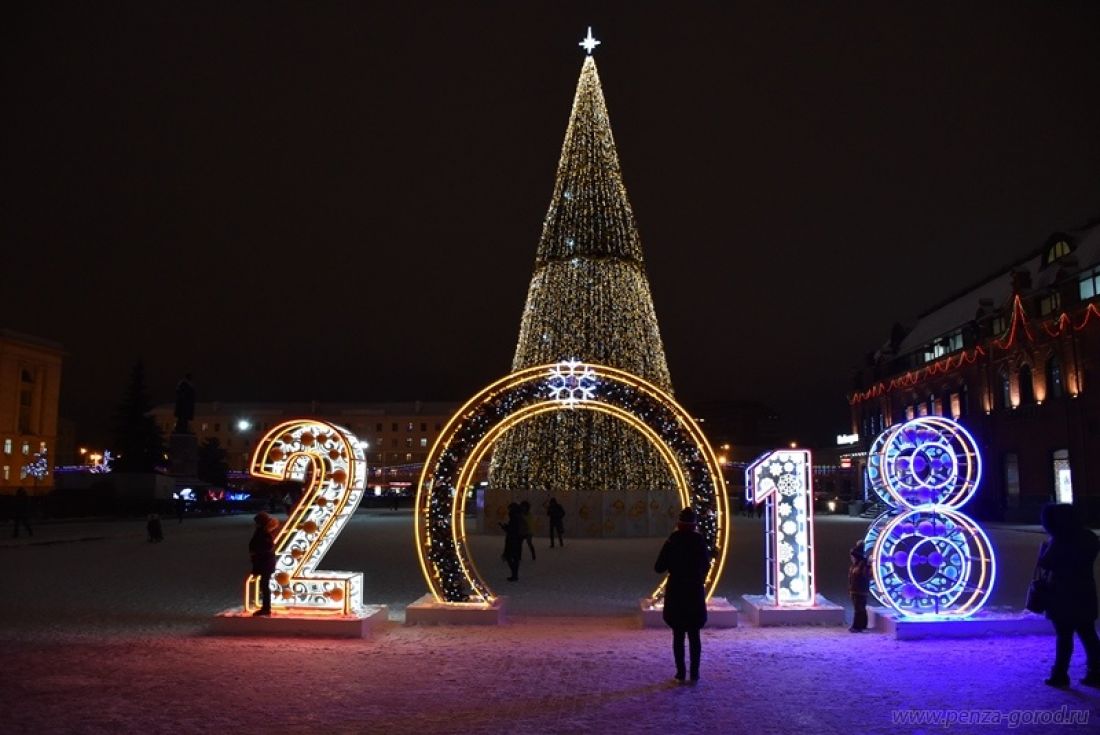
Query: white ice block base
point(720, 613)
point(763, 613)
point(990, 623)
point(426, 611)
point(236, 621)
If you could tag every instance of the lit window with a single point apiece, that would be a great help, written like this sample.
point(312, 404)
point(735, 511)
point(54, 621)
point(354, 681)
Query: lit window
point(1089, 285)
point(205, 426)
point(26, 448)
point(956, 406)
point(1050, 303)
point(409, 427)
point(1058, 250)
point(937, 407)
point(7, 472)
point(408, 456)
point(910, 414)
point(423, 441)
point(1000, 325)
point(7, 446)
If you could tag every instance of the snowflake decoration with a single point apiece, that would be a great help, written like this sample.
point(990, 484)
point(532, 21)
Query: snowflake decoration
point(571, 382)
point(784, 510)
point(789, 485)
point(786, 552)
point(776, 469)
point(790, 569)
point(789, 527)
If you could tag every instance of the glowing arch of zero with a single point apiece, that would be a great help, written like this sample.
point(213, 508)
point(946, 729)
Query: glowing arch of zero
point(441, 498)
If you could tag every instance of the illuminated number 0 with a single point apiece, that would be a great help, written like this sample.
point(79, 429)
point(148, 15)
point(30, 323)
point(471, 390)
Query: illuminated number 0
point(783, 480)
point(330, 461)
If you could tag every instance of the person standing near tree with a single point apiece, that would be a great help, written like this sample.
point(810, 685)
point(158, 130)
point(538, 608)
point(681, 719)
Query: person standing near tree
point(686, 559)
point(528, 526)
point(513, 540)
point(262, 550)
point(1066, 560)
point(557, 524)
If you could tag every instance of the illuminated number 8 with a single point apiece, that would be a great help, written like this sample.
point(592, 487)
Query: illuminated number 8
point(330, 461)
point(928, 558)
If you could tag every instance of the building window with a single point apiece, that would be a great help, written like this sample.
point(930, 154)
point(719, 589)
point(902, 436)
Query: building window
point(1027, 387)
point(7, 472)
point(7, 446)
point(937, 407)
point(423, 427)
point(1054, 377)
point(1050, 303)
point(956, 405)
point(409, 427)
point(910, 414)
point(1063, 478)
point(394, 426)
point(1089, 285)
point(951, 342)
point(1012, 480)
point(423, 441)
point(1005, 392)
point(408, 456)
point(378, 427)
point(205, 426)
point(1058, 250)
point(408, 441)
point(26, 447)
point(1000, 324)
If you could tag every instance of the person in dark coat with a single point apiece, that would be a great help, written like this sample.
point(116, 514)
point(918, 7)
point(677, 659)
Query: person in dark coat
point(859, 586)
point(528, 526)
point(22, 514)
point(514, 531)
point(154, 529)
point(686, 559)
point(262, 550)
point(557, 524)
point(1065, 565)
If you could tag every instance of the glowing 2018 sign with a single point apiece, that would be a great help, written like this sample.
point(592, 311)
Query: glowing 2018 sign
point(783, 479)
point(929, 559)
point(330, 461)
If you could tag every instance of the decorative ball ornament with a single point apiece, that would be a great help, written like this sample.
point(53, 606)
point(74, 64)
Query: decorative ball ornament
point(928, 558)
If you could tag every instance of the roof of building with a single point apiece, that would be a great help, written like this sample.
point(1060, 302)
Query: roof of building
point(30, 339)
point(961, 308)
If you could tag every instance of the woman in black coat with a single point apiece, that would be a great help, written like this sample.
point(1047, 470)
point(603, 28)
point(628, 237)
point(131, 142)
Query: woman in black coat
point(686, 558)
point(261, 547)
point(514, 533)
point(1065, 566)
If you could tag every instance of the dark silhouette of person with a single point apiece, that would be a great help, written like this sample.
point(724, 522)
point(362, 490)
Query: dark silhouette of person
point(557, 521)
point(181, 508)
point(154, 529)
point(1065, 565)
point(262, 550)
point(686, 559)
point(859, 586)
point(22, 516)
point(513, 540)
point(528, 526)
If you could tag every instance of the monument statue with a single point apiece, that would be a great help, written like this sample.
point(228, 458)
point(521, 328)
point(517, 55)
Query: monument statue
point(185, 405)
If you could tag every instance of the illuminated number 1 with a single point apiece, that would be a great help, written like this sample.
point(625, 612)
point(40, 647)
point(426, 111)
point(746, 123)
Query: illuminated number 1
point(783, 479)
point(329, 460)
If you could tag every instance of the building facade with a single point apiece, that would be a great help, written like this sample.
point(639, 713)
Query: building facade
point(397, 434)
point(1015, 360)
point(30, 386)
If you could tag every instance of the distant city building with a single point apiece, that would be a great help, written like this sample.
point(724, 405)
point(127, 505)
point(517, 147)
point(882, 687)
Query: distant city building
point(397, 434)
point(30, 383)
point(1015, 359)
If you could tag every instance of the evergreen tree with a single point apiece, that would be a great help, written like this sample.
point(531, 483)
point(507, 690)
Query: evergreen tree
point(589, 300)
point(139, 446)
point(212, 466)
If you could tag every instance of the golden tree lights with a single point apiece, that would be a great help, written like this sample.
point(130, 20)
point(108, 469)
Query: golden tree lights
point(589, 298)
point(329, 461)
point(545, 391)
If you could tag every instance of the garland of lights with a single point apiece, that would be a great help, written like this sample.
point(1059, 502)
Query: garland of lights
point(330, 460)
point(589, 297)
point(546, 390)
point(929, 559)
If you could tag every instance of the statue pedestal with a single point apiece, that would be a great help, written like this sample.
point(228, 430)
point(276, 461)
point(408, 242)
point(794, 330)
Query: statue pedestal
point(763, 612)
point(426, 611)
point(720, 613)
point(183, 455)
point(987, 623)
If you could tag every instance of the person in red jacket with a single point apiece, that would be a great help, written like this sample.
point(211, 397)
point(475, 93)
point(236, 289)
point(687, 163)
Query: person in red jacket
point(686, 558)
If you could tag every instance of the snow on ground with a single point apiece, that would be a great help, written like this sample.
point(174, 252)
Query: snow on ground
point(109, 634)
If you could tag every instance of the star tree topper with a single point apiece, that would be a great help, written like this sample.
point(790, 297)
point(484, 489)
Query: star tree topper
point(589, 43)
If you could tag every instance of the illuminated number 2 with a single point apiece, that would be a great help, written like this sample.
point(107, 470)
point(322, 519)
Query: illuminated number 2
point(329, 460)
point(782, 478)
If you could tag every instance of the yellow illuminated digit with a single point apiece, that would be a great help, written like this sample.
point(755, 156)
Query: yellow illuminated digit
point(330, 462)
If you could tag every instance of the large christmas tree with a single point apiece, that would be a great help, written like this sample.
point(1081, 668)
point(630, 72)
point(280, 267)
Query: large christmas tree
point(588, 300)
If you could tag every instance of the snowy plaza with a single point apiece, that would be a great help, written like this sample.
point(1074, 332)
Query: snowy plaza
point(104, 632)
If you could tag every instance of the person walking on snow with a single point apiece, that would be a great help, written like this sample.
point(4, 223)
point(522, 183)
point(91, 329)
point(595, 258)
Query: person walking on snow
point(557, 525)
point(686, 559)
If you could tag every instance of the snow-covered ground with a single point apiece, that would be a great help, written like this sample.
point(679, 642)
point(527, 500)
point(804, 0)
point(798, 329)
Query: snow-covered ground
point(103, 632)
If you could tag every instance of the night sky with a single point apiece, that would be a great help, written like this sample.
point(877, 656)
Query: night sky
point(342, 201)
